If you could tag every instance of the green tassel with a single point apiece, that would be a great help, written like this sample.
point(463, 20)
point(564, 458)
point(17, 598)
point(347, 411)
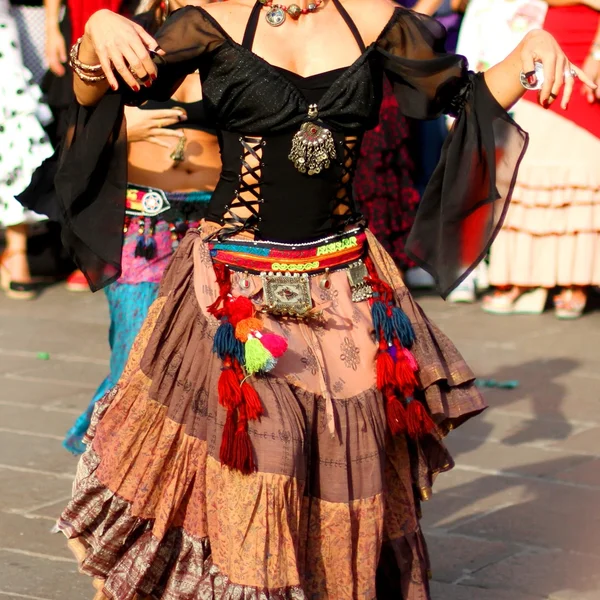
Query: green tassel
point(257, 357)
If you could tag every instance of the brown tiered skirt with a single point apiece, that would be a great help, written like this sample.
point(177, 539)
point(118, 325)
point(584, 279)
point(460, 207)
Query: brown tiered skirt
point(330, 513)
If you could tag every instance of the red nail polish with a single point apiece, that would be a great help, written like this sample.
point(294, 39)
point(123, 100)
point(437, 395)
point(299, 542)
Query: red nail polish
point(136, 88)
point(532, 79)
point(153, 77)
point(113, 86)
point(147, 84)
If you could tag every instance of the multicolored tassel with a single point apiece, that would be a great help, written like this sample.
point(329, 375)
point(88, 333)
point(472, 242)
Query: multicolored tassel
point(396, 366)
point(238, 343)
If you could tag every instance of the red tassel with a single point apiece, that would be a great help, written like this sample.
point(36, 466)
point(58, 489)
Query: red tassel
point(418, 421)
point(217, 308)
point(227, 441)
point(385, 370)
point(396, 414)
point(405, 376)
point(239, 309)
point(230, 394)
point(252, 401)
point(243, 454)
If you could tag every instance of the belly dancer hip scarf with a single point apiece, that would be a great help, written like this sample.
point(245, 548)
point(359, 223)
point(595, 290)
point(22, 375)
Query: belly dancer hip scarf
point(146, 207)
point(247, 350)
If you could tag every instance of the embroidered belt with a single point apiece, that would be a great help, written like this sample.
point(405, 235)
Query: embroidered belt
point(176, 209)
point(155, 203)
point(326, 254)
point(285, 268)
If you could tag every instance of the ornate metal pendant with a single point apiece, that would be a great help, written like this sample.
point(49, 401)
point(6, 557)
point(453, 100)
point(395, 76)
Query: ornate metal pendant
point(287, 294)
point(276, 16)
point(357, 273)
point(179, 153)
point(313, 147)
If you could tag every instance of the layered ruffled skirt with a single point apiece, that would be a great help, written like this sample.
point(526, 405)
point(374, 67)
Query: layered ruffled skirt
point(551, 235)
point(330, 511)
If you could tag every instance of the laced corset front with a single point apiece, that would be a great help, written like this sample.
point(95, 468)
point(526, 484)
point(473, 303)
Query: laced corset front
point(263, 193)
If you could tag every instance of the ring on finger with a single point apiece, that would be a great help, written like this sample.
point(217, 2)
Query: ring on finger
point(570, 73)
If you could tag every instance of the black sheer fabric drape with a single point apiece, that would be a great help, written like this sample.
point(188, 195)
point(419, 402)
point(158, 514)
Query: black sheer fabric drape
point(468, 195)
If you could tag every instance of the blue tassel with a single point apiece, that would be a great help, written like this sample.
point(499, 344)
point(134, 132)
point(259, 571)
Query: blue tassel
point(403, 327)
point(224, 343)
point(150, 250)
point(140, 246)
point(382, 322)
point(239, 352)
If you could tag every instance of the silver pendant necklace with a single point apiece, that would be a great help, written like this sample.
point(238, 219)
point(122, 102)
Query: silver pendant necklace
point(277, 13)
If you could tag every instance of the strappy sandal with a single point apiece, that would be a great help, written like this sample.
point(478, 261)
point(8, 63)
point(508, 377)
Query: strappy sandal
point(17, 290)
point(526, 302)
point(567, 306)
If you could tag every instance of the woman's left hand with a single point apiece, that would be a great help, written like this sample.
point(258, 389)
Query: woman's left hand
point(539, 46)
point(591, 68)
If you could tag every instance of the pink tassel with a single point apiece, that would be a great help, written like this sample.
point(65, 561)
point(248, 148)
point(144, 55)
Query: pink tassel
point(405, 377)
point(274, 343)
point(412, 361)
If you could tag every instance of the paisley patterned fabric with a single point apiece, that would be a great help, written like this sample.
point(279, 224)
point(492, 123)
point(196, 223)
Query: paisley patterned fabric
point(327, 515)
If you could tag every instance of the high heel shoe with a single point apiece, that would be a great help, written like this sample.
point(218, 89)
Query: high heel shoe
point(527, 302)
point(17, 290)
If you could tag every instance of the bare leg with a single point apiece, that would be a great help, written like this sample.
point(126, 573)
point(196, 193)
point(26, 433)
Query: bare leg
point(15, 256)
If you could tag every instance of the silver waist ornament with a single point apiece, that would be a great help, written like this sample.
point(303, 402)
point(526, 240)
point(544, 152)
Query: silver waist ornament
point(313, 147)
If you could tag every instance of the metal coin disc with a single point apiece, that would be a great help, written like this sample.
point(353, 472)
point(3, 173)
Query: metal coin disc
point(152, 204)
point(276, 16)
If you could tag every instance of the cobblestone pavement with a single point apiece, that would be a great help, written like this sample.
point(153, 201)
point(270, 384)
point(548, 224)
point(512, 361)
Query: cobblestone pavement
point(517, 519)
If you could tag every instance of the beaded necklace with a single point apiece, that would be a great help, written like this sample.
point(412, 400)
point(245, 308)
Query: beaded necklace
point(277, 13)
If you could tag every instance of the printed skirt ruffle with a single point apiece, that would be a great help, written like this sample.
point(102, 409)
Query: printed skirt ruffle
point(327, 512)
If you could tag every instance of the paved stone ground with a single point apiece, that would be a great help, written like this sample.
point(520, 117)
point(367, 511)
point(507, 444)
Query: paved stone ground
point(517, 519)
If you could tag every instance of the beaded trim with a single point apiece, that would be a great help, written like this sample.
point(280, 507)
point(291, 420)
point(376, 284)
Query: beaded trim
point(313, 257)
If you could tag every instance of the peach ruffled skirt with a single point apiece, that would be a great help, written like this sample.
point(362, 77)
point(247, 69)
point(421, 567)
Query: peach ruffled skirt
point(551, 235)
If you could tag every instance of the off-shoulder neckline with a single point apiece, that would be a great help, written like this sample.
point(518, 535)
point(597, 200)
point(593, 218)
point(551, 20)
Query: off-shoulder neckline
point(274, 70)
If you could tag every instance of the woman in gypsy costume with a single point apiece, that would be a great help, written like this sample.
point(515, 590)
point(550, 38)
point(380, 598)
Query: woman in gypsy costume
point(282, 411)
point(551, 236)
point(173, 166)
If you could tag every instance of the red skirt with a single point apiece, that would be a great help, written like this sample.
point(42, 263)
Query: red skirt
point(574, 28)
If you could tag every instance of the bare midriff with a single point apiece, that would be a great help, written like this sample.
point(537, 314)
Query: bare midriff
point(150, 165)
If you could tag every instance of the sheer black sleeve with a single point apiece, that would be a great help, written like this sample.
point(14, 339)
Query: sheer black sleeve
point(464, 205)
point(84, 184)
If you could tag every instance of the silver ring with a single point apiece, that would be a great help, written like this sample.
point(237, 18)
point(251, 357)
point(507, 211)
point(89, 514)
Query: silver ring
point(570, 73)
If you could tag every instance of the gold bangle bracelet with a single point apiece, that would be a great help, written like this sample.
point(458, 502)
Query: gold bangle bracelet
point(76, 63)
point(87, 78)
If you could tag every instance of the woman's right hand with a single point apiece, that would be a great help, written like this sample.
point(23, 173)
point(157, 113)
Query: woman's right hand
point(149, 125)
point(56, 51)
point(118, 43)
